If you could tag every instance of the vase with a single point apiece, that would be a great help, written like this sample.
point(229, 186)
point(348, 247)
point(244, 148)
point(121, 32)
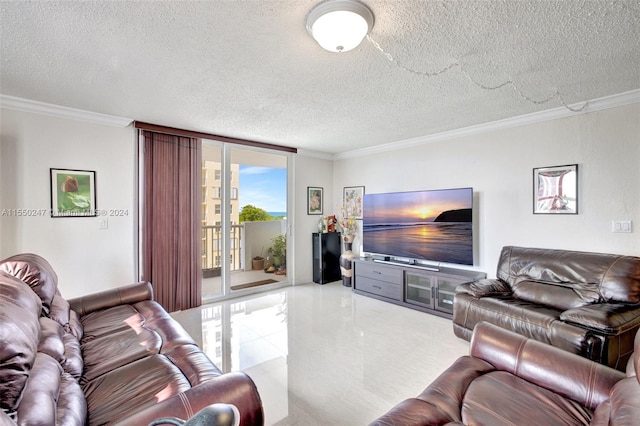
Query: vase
point(346, 260)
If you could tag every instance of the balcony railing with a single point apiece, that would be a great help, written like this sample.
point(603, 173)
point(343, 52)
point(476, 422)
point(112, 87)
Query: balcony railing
point(212, 249)
point(248, 239)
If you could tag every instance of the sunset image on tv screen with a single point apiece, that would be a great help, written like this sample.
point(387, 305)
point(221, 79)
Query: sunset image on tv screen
point(432, 225)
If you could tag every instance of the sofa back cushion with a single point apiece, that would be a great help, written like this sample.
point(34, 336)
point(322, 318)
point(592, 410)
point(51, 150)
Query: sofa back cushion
point(51, 396)
point(19, 335)
point(569, 279)
point(35, 271)
point(561, 296)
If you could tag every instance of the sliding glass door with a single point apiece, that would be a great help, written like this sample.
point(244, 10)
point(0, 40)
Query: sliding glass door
point(212, 187)
point(244, 219)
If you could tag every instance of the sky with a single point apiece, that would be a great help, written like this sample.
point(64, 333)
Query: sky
point(263, 187)
point(417, 206)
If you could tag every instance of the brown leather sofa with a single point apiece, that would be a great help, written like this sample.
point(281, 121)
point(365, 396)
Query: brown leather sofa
point(584, 303)
point(115, 357)
point(511, 380)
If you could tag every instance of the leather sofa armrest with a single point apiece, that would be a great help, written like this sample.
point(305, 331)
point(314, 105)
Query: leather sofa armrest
point(212, 415)
point(440, 403)
point(113, 297)
point(485, 287)
point(231, 388)
point(625, 409)
point(562, 372)
point(609, 318)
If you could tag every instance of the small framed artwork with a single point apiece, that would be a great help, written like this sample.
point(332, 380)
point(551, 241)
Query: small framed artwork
point(314, 200)
point(73, 193)
point(555, 190)
point(352, 201)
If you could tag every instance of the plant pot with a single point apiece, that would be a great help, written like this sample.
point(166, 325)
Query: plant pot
point(257, 264)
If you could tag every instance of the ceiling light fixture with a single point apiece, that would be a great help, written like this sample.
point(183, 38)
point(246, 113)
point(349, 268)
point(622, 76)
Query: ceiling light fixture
point(339, 25)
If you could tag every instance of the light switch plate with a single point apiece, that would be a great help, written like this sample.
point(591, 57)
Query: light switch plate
point(103, 224)
point(621, 226)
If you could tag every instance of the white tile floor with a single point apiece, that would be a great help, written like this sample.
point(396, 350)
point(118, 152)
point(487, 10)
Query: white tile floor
point(321, 355)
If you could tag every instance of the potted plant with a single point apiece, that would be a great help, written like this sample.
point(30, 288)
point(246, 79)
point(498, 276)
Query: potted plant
point(257, 263)
point(279, 250)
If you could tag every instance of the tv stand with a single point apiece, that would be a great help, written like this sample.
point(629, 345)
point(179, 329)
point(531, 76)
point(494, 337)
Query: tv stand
point(413, 285)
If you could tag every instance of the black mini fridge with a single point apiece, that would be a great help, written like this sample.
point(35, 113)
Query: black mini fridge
point(326, 257)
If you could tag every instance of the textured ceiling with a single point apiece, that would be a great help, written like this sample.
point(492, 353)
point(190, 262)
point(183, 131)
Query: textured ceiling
point(248, 69)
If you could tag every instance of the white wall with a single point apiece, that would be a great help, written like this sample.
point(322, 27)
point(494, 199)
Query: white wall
point(499, 166)
point(255, 236)
point(85, 258)
point(309, 171)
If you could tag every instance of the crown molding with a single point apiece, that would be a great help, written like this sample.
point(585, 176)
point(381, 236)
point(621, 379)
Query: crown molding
point(315, 154)
point(621, 99)
point(27, 105)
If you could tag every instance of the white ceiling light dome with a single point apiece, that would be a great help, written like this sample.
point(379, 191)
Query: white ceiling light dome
point(339, 25)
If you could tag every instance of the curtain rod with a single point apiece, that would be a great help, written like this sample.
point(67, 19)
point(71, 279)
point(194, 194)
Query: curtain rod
point(192, 134)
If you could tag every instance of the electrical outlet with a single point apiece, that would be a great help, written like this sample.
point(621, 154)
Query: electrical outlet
point(621, 226)
point(103, 224)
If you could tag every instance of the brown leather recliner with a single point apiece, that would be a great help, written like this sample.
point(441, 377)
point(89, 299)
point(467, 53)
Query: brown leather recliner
point(585, 303)
point(511, 380)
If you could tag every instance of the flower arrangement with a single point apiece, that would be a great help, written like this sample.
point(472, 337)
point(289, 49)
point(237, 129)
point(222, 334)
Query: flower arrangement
point(346, 223)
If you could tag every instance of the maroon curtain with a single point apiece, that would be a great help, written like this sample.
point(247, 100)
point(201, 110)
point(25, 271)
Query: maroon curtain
point(171, 219)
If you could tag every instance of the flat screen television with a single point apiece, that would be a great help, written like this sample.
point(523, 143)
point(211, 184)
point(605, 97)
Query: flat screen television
point(431, 225)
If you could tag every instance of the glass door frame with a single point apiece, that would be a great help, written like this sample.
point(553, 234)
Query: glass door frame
point(226, 197)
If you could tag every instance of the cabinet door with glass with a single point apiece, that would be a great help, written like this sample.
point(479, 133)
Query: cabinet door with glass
point(446, 290)
point(419, 289)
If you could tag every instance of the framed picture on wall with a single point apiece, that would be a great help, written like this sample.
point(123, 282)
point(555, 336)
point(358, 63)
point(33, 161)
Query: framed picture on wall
point(555, 190)
point(314, 200)
point(73, 193)
point(352, 201)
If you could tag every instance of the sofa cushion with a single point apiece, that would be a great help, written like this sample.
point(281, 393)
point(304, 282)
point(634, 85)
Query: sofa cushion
point(36, 272)
point(131, 388)
point(73, 361)
point(485, 288)
point(497, 396)
point(557, 295)
point(61, 313)
point(47, 386)
point(525, 318)
point(75, 325)
point(51, 341)
point(193, 363)
point(611, 318)
point(117, 349)
point(72, 405)
point(109, 321)
point(157, 319)
point(19, 334)
point(61, 346)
